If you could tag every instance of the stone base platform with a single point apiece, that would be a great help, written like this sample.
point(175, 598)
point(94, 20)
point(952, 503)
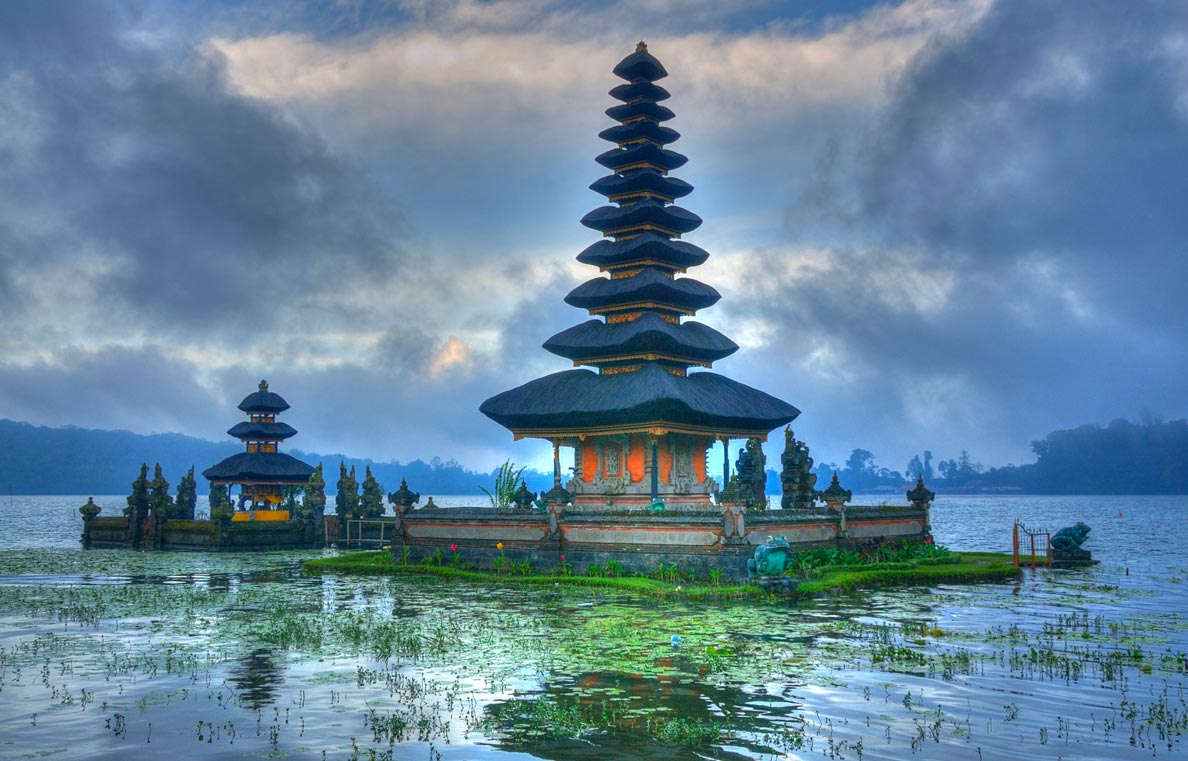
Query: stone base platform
point(201, 535)
point(1072, 558)
point(640, 540)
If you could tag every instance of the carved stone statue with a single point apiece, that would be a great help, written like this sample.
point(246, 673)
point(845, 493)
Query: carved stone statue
point(835, 497)
point(1071, 537)
point(797, 480)
point(403, 498)
point(523, 498)
point(771, 558)
point(751, 468)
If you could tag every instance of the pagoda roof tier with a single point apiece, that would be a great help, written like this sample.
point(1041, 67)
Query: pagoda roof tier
point(656, 215)
point(645, 248)
point(271, 467)
point(640, 109)
point(639, 90)
point(643, 156)
point(640, 66)
point(640, 182)
point(641, 130)
point(646, 335)
point(648, 400)
point(649, 286)
point(246, 431)
point(263, 401)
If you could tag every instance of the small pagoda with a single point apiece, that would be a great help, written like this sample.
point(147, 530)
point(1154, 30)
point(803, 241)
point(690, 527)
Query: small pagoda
point(262, 472)
point(640, 422)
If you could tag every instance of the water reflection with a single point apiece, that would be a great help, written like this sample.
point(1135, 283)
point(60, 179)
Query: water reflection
point(258, 678)
point(1029, 670)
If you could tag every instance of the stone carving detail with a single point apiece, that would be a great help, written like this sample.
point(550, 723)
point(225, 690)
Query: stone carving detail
point(523, 498)
point(608, 485)
point(751, 469)
point(681, 476)
point(612, 457)
point(797, 480)
point(835, 497)
point(734, 520)
point(554, 521)
point(403, 498)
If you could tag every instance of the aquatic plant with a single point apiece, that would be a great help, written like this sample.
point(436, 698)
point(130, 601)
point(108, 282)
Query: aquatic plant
point(507, 483)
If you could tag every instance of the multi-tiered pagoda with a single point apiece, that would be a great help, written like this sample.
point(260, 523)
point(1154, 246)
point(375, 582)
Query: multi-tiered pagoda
point(262, 472)
point(640, 422)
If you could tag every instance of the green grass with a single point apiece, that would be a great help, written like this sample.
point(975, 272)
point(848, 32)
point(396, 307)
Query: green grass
point(382, 563)
point(958, 568)
point(961, 568)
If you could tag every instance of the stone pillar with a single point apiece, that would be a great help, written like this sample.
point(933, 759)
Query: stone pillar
point(556, 499)
point(655, 469)
point(725, 462)
point(835, 498)
point(89, 511)
point(921, 499)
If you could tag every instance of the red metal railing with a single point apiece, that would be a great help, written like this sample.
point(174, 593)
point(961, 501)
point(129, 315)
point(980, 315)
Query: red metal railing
point(1032, 536)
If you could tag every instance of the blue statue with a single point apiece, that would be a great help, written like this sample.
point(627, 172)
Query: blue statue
point(771, 558)
point(1070, 537)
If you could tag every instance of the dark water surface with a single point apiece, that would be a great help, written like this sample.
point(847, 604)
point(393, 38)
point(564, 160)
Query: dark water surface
point(109, 654)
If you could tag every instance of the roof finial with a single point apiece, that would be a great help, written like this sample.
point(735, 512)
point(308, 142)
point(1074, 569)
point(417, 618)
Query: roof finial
point(641, 46)
point(263, 385)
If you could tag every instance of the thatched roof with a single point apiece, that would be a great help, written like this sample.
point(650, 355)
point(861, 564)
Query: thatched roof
point(262, 431)
point(647, 246)
point(640, 66)
point(648, 334)
point(649, 285)
point(641, 180)
point(575, 401)
point(647, 211)
point(260, 466)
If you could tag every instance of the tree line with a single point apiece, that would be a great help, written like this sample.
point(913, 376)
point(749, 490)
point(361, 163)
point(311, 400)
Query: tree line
point(1123, 457)
point(41, 460)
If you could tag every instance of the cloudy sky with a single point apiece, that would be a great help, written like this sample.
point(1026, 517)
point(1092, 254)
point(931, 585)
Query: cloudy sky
point(935, 223)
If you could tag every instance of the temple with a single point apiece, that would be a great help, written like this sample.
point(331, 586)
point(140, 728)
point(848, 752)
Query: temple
point(640, 421)
point(641, 409)
point(262, 472)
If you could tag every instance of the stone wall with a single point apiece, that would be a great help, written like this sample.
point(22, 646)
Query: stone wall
point(640, 541)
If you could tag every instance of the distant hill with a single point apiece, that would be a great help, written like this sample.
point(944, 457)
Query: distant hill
point(1124, 457)
point(69, 460)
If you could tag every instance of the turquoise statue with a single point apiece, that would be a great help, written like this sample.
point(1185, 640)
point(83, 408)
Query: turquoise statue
point(771, 558)
point(1070, 537)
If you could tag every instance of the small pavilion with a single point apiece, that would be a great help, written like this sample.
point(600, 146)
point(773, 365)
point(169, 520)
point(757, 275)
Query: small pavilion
point(642, 419)
point(262, 472)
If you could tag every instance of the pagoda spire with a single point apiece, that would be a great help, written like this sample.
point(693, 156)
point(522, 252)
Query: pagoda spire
point(640, 342)
point(641, 300)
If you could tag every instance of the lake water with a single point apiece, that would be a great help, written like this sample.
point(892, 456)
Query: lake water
point(106, 654)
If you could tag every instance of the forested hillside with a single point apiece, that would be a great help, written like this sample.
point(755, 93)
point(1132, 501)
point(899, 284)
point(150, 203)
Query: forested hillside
point(1124, 457)
point(39, 460)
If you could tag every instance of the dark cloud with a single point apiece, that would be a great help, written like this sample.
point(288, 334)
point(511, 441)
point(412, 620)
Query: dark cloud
point(146, 390)
point(1014, 231)
point(205, 209)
